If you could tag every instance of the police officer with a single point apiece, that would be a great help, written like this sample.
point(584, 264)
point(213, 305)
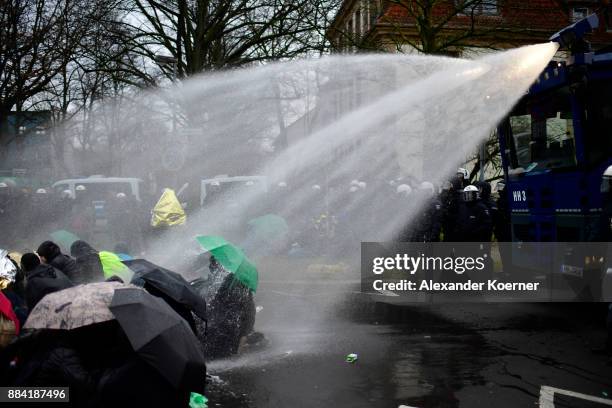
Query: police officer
point(463, 177)
point(428, 224)
point(404, 197)
point(484, 190)
point(502, 228)
point(474, 221)
point(604, 229)
point(451, 198)
point(604, 234)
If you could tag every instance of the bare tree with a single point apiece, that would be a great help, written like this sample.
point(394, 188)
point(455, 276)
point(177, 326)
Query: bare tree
point(204, 35)
point(443, 26)
point(98, 64)
point(34, 47)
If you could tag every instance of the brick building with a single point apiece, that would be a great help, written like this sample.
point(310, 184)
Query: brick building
point(457, 25)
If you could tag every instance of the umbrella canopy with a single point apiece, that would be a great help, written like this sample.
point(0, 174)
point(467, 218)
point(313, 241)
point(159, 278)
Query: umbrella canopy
point(112, 265)
point(75, 307)
point(64, 239)
point(232, 258)
point(160, 336)
point(169, 283)
point(269, 227)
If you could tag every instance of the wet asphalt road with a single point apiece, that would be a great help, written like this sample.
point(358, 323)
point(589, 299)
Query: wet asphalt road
point(471, 355)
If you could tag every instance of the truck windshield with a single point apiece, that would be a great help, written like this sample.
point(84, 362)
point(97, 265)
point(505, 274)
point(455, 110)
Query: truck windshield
point(542, 133)
point(597, 140)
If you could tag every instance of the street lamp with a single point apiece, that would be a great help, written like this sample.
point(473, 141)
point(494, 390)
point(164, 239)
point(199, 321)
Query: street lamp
point(167, 60)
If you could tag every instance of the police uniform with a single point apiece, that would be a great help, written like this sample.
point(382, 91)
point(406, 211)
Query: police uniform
point(428, 225)
point(474, 222)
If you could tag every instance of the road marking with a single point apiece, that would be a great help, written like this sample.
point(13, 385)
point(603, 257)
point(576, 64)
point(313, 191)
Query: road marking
point(547, 397)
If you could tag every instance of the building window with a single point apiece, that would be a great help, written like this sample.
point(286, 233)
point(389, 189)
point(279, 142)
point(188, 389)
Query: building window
point(374, 11)
point(477, 7)
point(578, 13)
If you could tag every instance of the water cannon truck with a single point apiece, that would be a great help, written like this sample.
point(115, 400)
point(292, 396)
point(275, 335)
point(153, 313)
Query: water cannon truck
point(555, 145)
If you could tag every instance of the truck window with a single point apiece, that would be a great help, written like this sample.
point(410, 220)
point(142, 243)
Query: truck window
point(598, 137)
point(543, 132)
point(105, 191)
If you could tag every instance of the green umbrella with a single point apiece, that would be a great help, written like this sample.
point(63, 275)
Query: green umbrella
point(232, 258)
point(64, 239)
point(269, 227)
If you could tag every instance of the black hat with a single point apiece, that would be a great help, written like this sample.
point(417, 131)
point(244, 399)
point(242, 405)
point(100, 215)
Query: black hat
point(29, 262)
point(81, 248)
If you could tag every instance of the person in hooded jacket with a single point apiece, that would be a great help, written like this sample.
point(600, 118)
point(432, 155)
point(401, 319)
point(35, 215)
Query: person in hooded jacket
point(88, 263)
point(50, 253)
point(232, 313)
point(42, 279)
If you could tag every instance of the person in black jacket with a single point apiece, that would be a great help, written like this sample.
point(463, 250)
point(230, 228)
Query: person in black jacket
point(451, 198)
point(41, 279)
point(474, 222)
point(88, 263)
point(484, 188)
point(50, 253)
point(427, 224)
point(603, 231)
point(232, 313)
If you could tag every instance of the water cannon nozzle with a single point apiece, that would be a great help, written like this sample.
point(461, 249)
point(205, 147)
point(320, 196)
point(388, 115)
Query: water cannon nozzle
point(575, 33)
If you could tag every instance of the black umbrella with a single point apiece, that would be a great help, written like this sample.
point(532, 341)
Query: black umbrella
point(167, 283)
point(160, 337)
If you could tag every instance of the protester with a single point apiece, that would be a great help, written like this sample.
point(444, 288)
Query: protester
point(42, 279)
point(88, 263)
point(231, 312)
point(50, 253)
point(12, 284)
point(9, 323)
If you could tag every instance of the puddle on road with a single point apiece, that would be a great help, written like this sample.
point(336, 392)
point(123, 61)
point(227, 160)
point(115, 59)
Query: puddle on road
point(430, 369)
point(427, 361)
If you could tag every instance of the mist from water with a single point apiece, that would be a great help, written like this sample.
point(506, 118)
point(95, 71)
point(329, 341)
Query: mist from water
point(334, 137)
point(380, 120)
